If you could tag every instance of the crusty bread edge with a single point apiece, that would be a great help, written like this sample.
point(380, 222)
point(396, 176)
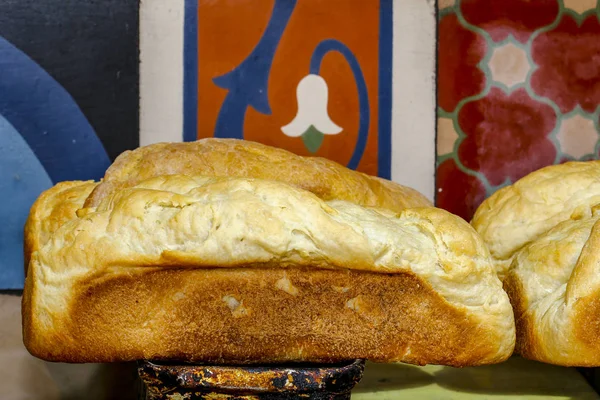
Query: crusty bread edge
point(582, 327)
point(296, 314)
point(40, 210)
point(384, 190)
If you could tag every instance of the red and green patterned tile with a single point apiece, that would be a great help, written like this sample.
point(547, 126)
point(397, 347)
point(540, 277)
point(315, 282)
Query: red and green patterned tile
point(519, 89)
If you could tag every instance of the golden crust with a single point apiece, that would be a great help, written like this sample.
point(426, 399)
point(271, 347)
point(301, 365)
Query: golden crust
point(51, 210)
point(520, 213)
point(554, 288)
point(241, 158)
point(246, 315)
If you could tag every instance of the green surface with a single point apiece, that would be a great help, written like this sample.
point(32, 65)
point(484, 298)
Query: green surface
point(313, 139)
point(516, 378)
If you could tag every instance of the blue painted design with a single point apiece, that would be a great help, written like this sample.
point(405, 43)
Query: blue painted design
point(384, 139)
point(48, 119)
point(319, 53)
point(190, 71)
point(22, 179)
point(247, 84)
point(44, 139)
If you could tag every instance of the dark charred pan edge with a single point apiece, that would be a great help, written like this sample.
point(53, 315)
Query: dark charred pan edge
point(292, 381)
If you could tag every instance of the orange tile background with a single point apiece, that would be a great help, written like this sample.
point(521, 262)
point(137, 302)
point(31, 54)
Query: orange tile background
point(227, 33)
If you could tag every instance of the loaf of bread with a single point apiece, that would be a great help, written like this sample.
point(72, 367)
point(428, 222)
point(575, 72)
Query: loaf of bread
point(543, 232)
point(213, 268)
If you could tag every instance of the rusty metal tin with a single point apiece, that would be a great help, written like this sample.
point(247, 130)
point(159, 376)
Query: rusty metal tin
point(294, 381)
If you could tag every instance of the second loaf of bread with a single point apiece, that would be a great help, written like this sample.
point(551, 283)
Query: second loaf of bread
point(544, 235)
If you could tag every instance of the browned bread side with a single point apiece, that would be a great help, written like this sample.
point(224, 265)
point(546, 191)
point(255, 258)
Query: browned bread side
point(260, 315)
point(241, 158)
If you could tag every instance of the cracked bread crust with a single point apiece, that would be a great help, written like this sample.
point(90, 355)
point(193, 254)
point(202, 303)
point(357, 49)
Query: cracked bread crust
point(554, 287)
point(543, 234)
point(51, 210)
point(520, 213)
point(241, 158)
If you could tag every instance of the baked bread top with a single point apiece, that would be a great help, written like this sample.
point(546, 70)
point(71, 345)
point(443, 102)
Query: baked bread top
point(520, 213)
point(241, 158)
point(51, 210)
point(554, 285)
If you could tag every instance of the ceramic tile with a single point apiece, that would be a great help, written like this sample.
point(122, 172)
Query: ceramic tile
point(68, 103)
point(459, 53)
point(577, 136)
point(458, 191)
point(568, 59)
point(580, 6)
point(311, 91)
point(446, 136)
point(520, 79)
point(506, 135)
point(509, 65)
point(446, 3)
point(501, 18)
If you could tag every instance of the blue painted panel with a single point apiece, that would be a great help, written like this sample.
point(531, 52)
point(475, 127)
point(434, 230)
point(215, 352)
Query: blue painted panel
point(44, 139)
point(22, 179)
point(48, 118)
point(386, 38)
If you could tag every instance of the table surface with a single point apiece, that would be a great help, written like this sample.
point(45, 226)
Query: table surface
point(516, 378)
point(25, 377)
